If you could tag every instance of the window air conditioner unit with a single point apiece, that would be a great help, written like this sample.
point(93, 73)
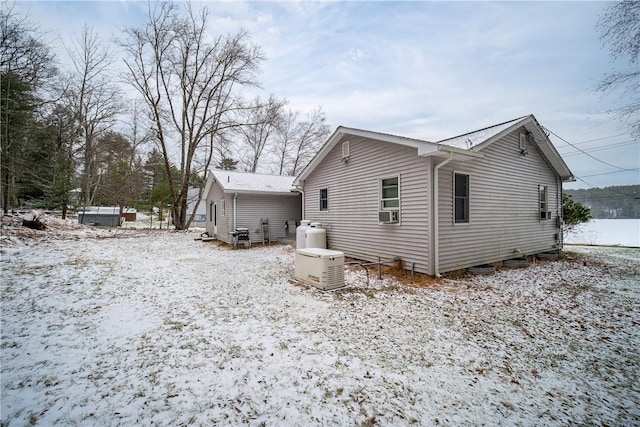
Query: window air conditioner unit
point(322, 268)
point(389, 217)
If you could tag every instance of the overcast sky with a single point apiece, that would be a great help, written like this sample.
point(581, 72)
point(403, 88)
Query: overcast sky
point(429, 70)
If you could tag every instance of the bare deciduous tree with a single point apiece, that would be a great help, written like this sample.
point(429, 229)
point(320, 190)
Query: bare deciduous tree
point(23, 50)
point(189, 82)
point(261, 122)
point(620, 30)
point(94, 101)
point(298, 141)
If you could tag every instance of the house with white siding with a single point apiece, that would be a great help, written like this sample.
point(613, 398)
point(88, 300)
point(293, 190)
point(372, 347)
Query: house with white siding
point(265, 204)
point(439, 206)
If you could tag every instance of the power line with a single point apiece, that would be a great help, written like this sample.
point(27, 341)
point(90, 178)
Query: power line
point(628, 141)
point(589, 197)
point(620, 144)
point(598, 139)
point(612, 172)
point(584, 152)
point(585, 182)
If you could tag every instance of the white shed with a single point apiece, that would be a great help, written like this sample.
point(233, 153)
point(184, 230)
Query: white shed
point(267, 205)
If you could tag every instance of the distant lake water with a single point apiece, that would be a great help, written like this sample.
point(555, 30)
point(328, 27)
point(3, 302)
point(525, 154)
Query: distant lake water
point(623, 232)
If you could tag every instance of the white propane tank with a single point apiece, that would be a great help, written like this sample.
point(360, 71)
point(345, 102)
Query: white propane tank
point(315, 236)
point(300, 234)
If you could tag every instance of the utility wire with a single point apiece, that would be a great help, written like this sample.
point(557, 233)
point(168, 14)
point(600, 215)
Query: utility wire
point(591, 150)
point(598, 139)
point(585, 182)
point(615, 144)
point(609, 173)
point(588, 197)
point(584, 152)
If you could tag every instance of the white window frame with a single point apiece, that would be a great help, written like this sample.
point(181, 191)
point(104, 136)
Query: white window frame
point(223, 207)
point(522, 142)
point(326, 209)
point(468, 198)
point(346, 150)
point(543, 202)
point(381, 200)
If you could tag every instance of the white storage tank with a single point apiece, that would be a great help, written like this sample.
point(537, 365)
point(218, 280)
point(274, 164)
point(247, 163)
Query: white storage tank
point(300, 234)
point(315, 236)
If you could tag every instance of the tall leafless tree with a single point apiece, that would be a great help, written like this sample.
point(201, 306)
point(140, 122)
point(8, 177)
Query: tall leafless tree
point(620, 30)
point(23, 49)
point(95, 101)
point(190, 83)
point(262, 119)
point(297, 141)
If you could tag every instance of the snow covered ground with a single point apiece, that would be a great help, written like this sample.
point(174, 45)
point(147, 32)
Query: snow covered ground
point(156, 328)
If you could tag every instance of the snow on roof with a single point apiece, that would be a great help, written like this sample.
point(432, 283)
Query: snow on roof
point(471, 139)
point(246, 182)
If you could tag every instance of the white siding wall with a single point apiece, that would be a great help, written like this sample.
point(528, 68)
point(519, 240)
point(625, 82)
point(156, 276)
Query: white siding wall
point(352, 219)
point(504, 207)
point(278, 209)
point(224, 221)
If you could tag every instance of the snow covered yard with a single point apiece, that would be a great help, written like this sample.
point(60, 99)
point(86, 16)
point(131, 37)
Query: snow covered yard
point(156, 328)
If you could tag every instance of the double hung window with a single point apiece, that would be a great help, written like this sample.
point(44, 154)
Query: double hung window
point(324, 199)
point(543, 192)
point(390, 193)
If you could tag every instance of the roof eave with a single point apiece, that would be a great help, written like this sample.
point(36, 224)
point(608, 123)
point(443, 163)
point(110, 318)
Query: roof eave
point(256, 192)
point(342, 131)
point(549, 151)
point(331, 142)
point(504, 132)
point(542, 141)
point(441, 150)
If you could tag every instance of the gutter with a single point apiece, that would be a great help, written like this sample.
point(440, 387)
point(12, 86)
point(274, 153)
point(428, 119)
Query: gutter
point(436, 222)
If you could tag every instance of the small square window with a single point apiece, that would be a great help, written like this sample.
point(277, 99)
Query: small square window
point(324, 199)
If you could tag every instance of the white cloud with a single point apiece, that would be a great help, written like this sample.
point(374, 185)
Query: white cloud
point(356, 54)
point(422, 69)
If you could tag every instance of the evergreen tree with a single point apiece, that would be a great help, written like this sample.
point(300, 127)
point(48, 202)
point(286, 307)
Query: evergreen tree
point(573, 213)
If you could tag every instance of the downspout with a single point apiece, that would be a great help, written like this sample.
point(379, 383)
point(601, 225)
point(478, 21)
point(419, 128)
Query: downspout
point(300, 189)
point(560, 218)
point(436, 222)
point(234, 211)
